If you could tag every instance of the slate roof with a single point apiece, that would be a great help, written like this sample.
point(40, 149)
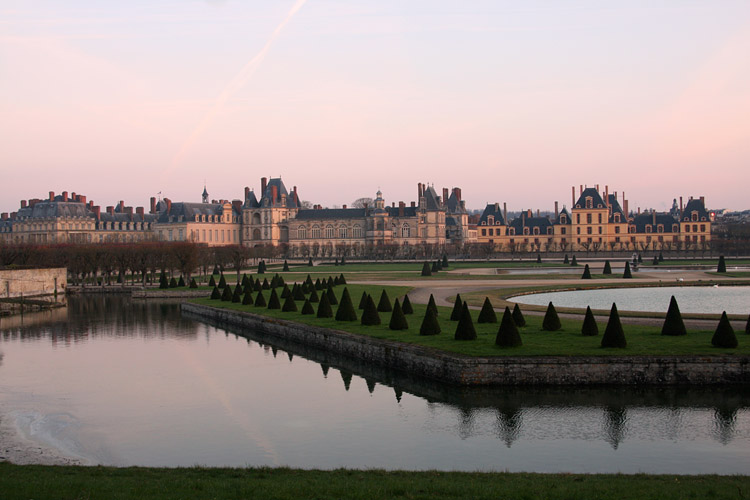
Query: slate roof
point(492, 210)
point(616, 209)
point(330, 213)
point(408, 211)
point(531, 222)
point(251, 201)
point(431, 198)
point(643, 220)
point(569, 219)
point(52, 209)
point(695, 205)
point(596, 198)
point(124, 217)
point(266, 197)
point(454, 204)
point(187, 210)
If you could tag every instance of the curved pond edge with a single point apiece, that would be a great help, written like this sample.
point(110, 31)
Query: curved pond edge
point(487, 371)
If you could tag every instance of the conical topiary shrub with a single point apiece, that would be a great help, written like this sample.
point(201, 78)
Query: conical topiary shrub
point(551, 320)
point(273, 300)
point(173, 283)
point(589, 328)
point(216, 270)
point(458, 305)
point(226, 294)
point(607, 268)
point(237, 294)
point(262, 267)
point(434, 267)
point(430, 325)
point(661, 257)
point(286, 266)
point(722, 267)
point(465, 328)
point(362, 300)
point(724, 335)
point(247, 299)
point(309, 262)
point(507, 334)
point(297, 292)
point(314, 296)
point(343, 261)
point(163, 283)
point(260, 300)
point(318, 284)
point(487, 314)
point(673, 324)
point(346, 310)
point(324, 307)
point(342, 279)
point(285, 292)
point(445, 261)
point(336, 263)
point(289, 304)
point(370, 314)
point(640, 258)
point(336, 281)
point(222, 281)
point(215, 293)
point(398, 320)
point(212, 281)
point(518, 318)
point(627, 273)
point(384, 305)
point(181, 282)
point(266, 285)
point(307, 308)
point(566, 260)
point(246, 281)
point(406, 306)
point(426, 269)
point(257, 286)
point(574, 262)
point(747, 326)
point(193, 284)
point(431, 305)
point(331, 296)
point(538, 258)
point(309, 281)
point(275, 281)
point(586, 273)
point(330, 282)
point(655, 262)
point(614, 336)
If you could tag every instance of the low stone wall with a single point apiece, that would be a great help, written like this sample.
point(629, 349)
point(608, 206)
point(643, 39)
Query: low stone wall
point(30, 283)
point(501, 370)
point(167, 294)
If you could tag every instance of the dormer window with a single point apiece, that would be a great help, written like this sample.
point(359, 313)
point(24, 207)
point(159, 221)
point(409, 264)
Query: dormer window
point(526, 231)
point(660, 228)
point(536, 230)
point(549, 230)
point(694, 216)
point(563, 219)
point(617, 217)
point(589, 202)
point(648, 229)
point(512, 231)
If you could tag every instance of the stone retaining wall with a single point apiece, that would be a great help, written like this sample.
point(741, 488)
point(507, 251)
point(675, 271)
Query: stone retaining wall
point(505, 370)
point(32, 282)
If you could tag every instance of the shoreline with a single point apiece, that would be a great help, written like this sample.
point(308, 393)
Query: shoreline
point(20, 449)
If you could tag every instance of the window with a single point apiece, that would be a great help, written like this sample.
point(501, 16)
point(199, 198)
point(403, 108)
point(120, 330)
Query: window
point(687, 228)
point(588, 218)
point(357, 231)
point(703, 228)
point(301, 232)
point(316, 232)
point(588, 230)
point(660, 228)
point(512, 231)
point(406, 231)
point(549, 230)
point(617, 229)
point(536, 230)
point(695, 228)
point(578, 230)
point(484, 232)
point(526, 230)
point(563, 219)
point(600, 218)
point(578, 218)
point(648, 229)
point(617, 217)
point(563, 230)
point(342, 232)
point(589, 202)
point(329, 231)
point(694, 216)
point(497, 231)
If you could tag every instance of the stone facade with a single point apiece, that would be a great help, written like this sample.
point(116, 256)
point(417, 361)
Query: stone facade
point(32, 282)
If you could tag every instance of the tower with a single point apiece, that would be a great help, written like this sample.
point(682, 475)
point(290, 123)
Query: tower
point(205, 194)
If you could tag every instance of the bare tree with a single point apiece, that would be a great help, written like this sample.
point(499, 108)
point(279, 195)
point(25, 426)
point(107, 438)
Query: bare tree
point(362, 203)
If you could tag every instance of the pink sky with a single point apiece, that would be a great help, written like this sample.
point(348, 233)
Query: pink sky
point(512, 104)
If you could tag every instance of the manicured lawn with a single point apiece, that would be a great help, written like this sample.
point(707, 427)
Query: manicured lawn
point(642, 340)
point(45, 482)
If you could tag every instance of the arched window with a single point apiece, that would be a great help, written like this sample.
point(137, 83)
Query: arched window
point(329, 231)
point(526, 230)
point(536, 230)
point(342, 232)
point(316, 232)
point(405, 231)
point(357, 231)
point(301, 232)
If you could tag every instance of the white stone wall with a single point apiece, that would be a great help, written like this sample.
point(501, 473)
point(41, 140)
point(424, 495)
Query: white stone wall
point(32, 282)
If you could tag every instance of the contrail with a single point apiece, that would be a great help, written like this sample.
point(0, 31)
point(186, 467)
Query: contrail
point(234, 85)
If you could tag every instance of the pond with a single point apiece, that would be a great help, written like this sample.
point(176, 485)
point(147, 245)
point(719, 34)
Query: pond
point(691, 299)
point(122, 382)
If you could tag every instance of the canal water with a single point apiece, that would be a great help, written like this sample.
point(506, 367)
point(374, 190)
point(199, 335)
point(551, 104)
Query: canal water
point(121, 382)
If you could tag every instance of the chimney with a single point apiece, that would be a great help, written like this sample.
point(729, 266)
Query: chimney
point(445, 196)
point(537, 212)
point(557, 212)
point(169, 205)
point(703, 201)
point(263, 184)
point(23, 203)
point(625, 206)
point(296, 196)
point(528, 213)
point(110, 210)
point(505, 212)
point(122, 206)
point(73, 196)
point(653, 217)
point(91, 204)
point(639, 211)
point(237, 205)
point(97, 212)
point(412, 204)
point(573, 197)
point(13, 215)
point(129, 210)
point(283, 200)
point(247, 192)
point(83, 199)
point(401, 206)
point(597, 188)
point(140, 211)
point(606, 196)
point(458, 193)
point(419, 190)
point(64, 196)
point(4, 216)
point(274, 194)
point(51, 196)
point(153, 205)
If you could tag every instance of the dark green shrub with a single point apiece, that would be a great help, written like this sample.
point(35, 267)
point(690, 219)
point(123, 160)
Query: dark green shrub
point(487, 314)
point(614, 336)
point(589, 328)
point(586, 273)
point(343, 262)
point(262, 267)
point(458, 305)
point(445, 261)
point(518, 316)
point(507, 334)
point(538, 258)
point(439, 264)
point(318, 284)
point(363, 300)
point(286, 266)
point(384, 305)
point(266, 285)
point(346, 310)
point(237, 294)
point(324, 307)
point(275, 281)
point(307, 308)
point(431, 305)
point(258, 286)
point(222, 282)
point(566, 260)
point(574, 262)
point(426, 269)
point(655, 262)
point(226, 294)
point(330, 282)
point(607, 268)
point(342, 280)
point(181, 282)
point(336, 263)
point(331, 296)
point(314, 296)
point(398, 320)
point(336, 281)
point(163, 283)
point(216, 270)
point(673, 324)
point(246, 281)
point(406, 306)
point(465, 328)
point(173, 283)
point(212, 281)
point(434, 267)
point(640, 259)
point(297, 292)
point(551, 320)
point(309, 262)
point(747, 326)
point(627, 273)
point(215, 294)
point(289, 304)
point(273, 300)
point(661, 257)
point(724, 335)
point(370, 314)
point(260, 300)
point(309, 282)
point(722, 267)
point(430, 325)
point(285, 292)
point(193, 284)
point(247, 299)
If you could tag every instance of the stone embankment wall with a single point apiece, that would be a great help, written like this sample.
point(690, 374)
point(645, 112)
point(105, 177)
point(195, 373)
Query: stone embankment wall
point(167, 294)
point(30, 283)
point(505, 370)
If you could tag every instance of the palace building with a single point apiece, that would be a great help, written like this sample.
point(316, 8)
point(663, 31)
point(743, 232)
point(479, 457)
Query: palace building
point(596, 221)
